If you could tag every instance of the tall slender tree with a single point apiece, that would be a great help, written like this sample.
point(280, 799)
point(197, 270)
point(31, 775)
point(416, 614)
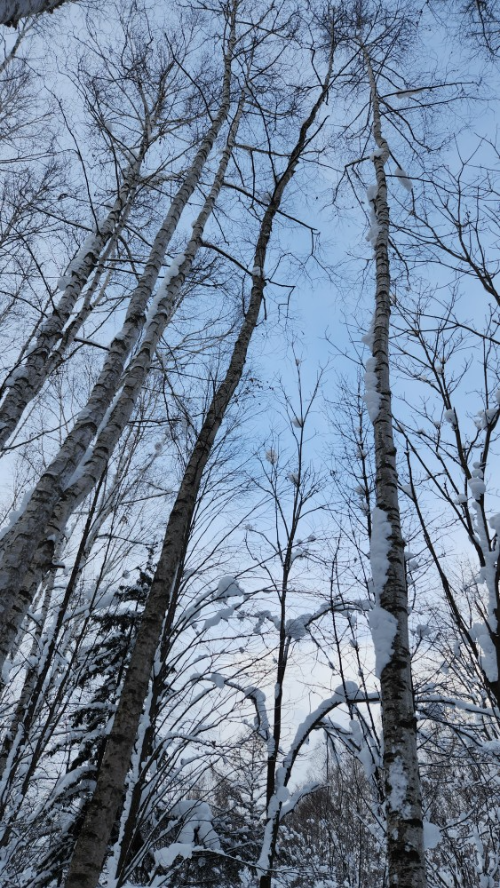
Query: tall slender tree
point(389, 617)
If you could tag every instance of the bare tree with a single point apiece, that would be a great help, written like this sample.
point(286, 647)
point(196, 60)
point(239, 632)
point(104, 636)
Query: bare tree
point(90, 850)
point(389, 617)
point(110, 379)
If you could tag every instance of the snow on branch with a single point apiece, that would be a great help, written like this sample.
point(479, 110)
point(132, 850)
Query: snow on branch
point(297, 797)
point(196, 834)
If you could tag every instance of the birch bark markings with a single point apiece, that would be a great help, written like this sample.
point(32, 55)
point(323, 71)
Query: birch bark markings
point(160, 610)
point(11, 11)
point(22, 538)
point(27, 379)
point(134, 377)
point(405, 849)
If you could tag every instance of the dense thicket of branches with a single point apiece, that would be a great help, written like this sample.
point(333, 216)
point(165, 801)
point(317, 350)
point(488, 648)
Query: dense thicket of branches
point(249, 400)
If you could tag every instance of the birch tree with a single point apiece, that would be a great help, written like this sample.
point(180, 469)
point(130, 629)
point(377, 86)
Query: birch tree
point(54, 669)
point(455, 230)
point(47, 494)
point(147, 120)
point(184, 165)
point(90, 849)
point(389, 617)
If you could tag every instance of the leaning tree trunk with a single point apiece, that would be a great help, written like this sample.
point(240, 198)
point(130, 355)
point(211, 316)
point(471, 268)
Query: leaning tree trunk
point(20, 560)
point(159, 613)
point(45, 354)
point(389, 618)
point(11, 11)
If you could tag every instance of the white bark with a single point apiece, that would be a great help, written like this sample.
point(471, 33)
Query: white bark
point(160, 610)
point(405, 848)
point(22, 539)
point(11, 11)
point(30, 375)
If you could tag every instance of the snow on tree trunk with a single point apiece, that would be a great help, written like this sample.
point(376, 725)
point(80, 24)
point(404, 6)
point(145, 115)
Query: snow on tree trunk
point(159, 613)
point(160, 314)
point(390, 623)
point(24, 535)
point(11, 11)
point(27, 379)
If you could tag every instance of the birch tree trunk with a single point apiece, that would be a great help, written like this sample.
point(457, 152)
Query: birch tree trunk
point(389, 621)
point(159, 613)
point(22, 539)
point(11, 11)
point(28, 378)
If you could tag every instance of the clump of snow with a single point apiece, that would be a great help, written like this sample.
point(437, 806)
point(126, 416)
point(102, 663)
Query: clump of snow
point(165, 857)
point(347, 690)
point(374, 228)
point(492, 746)
point(271, 456)
point(383, 627)
point(282, 794)
point(485, 417)
point(298, 422)
point(403, 93)
point(296, 796)
point(423, 630)
point(63, 282)
point(432, 835)
point(477, 487)
point(196, 820)
point(90, 246)
point(297, 628)
point(450, 416)
point(368, 337)
point(294, 478)
point(379, 550)
point(460, 499)
point(218, 679)
point(299, 553)
point(162, 292)
point(404, 179)
point(494, 523)
point(228, 587)
point(223, 614)
point(489, 663)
